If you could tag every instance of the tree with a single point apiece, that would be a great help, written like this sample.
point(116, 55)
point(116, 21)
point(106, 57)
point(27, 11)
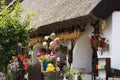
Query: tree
point(12, 31)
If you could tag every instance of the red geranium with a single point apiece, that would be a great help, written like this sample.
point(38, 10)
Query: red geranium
point(26, 60)
point(98, 35)
point(97, 40)
point(91, 41)
point(21, 57)
point(42, 53)
point(103, 39)
point(25, 67)
point(101, 45)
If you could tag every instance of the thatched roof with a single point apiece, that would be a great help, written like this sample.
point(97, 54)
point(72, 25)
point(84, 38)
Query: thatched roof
point(52, 11)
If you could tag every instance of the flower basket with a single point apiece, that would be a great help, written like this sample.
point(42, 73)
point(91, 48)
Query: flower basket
point(45, 59)
point(99, 43)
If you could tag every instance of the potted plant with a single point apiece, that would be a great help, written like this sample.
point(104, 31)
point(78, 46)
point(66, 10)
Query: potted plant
point(99, 43)
point(45, 59)
point(70, 73)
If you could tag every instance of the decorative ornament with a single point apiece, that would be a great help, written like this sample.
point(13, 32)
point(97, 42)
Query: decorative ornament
point(50, 68)
point(50, 48)
point(46, 37)
point(69, 35)
point(53, 45)
point(62, 36)
point(44, 45)
point(57, 40)
point(52, 36)
point(103, 24)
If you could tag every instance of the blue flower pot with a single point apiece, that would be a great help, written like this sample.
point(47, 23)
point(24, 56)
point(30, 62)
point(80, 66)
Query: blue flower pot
point(45, 65)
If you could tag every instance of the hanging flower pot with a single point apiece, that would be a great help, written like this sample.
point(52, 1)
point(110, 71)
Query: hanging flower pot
point(99, 43)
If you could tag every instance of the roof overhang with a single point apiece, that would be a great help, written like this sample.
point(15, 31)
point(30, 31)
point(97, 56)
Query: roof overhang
point(63, 26)
point(105, 8)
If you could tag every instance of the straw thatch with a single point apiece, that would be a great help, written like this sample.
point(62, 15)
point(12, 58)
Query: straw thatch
point(52, 11)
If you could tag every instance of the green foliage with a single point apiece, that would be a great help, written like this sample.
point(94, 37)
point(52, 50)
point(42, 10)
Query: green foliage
point(43, 58)
point(10, 76)
point(63, 48)
point(71, 72)
point(12, 31)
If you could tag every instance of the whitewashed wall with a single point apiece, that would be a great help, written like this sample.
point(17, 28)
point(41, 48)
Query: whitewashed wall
point(82, 53)
point(107, 33)
point(112, 33)
point(115, 55)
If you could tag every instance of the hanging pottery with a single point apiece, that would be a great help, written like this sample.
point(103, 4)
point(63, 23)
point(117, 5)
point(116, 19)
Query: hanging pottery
point(57, 40)
point(44, 45)
point(100, 51)
point(46, 37)
point(53, 45)
point(52, 35)
point(50, 48)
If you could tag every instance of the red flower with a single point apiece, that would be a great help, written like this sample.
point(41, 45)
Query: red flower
point(63, 64)
point(21, 57)
point(98, 35)
point(26, 60)
point(91, 41)
point(42, 53)
point(103, 39)
point(101, 45)
point(26, 67)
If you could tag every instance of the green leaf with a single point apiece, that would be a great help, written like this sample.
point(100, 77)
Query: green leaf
point(12, 31)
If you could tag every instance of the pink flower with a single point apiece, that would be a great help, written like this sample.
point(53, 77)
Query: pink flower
point(54, 56)
point(51, 54)
point(38, 55)
point(48, 56)
point(61, 74)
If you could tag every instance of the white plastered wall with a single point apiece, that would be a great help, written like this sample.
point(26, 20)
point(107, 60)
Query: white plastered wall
point(115, 55)
point(82, 53)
